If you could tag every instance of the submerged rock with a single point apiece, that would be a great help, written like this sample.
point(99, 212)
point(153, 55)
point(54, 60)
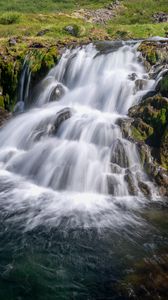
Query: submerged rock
point(50, 126)
point(144, 188)
point(19, 108)
point(58, 92)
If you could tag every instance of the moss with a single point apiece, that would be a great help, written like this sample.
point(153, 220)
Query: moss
point(164, 149)
point(41, 58)
point(164, 86)
point(154, 52)
point(2, 101)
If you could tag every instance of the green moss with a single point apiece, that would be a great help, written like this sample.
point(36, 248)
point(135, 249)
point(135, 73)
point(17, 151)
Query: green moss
point(137, 135)
point(40, 61)
point(2, 101)
point(164, 86)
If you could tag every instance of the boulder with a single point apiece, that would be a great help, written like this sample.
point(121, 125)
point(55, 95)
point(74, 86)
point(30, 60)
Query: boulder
point(162, 86)
point(145, 189)
point(50, 126)
point(72, 30)
point(43, 32)
point(119, 155)
point(129, 178)
point(57, 93)
point(164, 149)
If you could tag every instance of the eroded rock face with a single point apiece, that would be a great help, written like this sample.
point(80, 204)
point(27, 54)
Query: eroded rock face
point(118, 154)
point(150, 120)
point(4, 116)
point(51, 126)
point(57, 93)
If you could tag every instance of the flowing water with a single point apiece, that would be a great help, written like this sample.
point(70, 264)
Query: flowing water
point(70, 226)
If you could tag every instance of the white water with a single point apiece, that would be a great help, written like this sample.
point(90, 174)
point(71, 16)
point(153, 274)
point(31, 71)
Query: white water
point(45, 177)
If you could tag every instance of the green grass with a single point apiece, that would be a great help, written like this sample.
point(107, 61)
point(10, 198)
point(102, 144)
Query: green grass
point(37, 6)
point(25, 18)
point(140, 11)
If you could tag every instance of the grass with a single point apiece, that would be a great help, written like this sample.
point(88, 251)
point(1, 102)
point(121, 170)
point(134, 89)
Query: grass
point(39, 6)
point(25, 18)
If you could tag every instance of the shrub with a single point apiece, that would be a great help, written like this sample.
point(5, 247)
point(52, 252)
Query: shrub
point(9, 18)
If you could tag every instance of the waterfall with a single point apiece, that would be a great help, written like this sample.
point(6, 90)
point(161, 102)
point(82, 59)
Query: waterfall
point(66, 158)
point(24, 87)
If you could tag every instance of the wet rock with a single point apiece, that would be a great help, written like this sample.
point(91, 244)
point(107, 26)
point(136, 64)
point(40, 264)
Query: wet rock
point(154, 53)
point(125, 125)
point(19, 108)
point(115, 169)
point(144, 188)
point(149, 95)
point(154, 112)
point(162, 86)
point(148, 279)
point(112, 184)
point(57, 93)
point(4, 116)
point(164, 149)
point(129, 178)
point(119, 155)
point(140, 131)
point(62, 116)
point(132, 76)
point(140, 84)
point(51, 126)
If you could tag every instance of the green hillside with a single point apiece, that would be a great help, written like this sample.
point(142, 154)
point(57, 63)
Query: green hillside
point(133, 19)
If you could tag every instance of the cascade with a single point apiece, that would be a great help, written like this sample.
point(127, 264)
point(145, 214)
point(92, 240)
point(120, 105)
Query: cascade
point(65, 158)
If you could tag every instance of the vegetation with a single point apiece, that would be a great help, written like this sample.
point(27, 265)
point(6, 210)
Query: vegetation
point(28, 17)
point(38, 28)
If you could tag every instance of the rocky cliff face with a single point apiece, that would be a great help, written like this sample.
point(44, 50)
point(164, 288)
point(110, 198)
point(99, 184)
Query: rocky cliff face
point(148, 123)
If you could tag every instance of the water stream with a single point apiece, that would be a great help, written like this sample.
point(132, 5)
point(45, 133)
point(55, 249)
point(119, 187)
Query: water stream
point(70, 227)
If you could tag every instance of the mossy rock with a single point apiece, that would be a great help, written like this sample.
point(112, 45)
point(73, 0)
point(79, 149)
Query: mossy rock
point(40, 61)
point(154, 52)
point(140, 131)
point(162, 86)
point(154, 113)
point(164, 149)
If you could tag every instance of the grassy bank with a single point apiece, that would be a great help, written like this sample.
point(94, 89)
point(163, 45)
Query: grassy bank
point(28, 18)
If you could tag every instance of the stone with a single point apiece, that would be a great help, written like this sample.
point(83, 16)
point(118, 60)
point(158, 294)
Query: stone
point(129, 178)
point(43, 32)
point(162, 86)
point(72, 30)
point(140, 84)
point(4, 116)
point(19, 108)
point(144, 188)
point(160, 17)
point(57, 93)
point(164, 149)
point(12, 42)
point(132, 76)
point(51, 126)
point(118, 154)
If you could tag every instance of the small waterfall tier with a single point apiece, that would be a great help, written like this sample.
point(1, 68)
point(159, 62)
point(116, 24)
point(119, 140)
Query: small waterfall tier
point(65, 159)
